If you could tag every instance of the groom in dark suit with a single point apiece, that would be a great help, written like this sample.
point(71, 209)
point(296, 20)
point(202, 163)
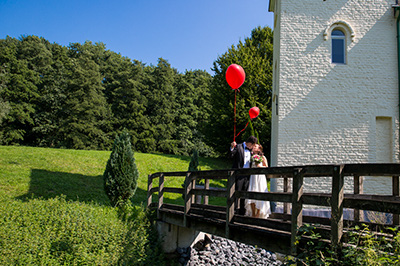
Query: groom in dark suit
point(241, 154)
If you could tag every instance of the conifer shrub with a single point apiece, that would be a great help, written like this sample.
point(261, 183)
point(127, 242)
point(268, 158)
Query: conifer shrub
point(194, 161)
point(121, 173)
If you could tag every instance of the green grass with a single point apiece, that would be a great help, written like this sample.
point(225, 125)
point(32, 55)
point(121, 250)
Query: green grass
point(27, 172)
point(54, 211)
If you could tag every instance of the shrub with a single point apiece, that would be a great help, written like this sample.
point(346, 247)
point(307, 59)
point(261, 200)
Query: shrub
point(194, 162)
point(364, 247)
point(60, 232)
point(121, 173)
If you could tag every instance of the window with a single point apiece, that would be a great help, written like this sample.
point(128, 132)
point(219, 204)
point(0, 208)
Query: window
point(338, 47)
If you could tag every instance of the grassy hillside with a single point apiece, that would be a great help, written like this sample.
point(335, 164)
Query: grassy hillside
point(54, 211)
point(27, 172)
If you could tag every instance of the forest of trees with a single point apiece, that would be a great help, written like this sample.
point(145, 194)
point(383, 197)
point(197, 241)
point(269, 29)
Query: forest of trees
point(82, 95)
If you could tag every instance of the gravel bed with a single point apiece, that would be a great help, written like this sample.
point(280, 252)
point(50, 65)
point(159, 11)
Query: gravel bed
point(222, 251)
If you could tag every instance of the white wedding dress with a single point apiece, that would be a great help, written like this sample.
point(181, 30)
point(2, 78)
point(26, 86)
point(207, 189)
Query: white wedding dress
point(258, 183)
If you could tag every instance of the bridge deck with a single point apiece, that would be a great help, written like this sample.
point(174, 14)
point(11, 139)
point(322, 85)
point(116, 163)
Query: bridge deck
point(280, 232)
point(212, 221)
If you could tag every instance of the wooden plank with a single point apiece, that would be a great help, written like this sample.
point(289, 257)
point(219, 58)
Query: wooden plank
point(312, 170)
point(318, 199)
point(168, 206)
point(208, 214)
point(373, 204)
point(270, 196)
point(149, 191)
point(377, 169)
point(174, 190)
point(188, 198)
point(285, 190)
point(382, 198)
point(209, 207)
point(175, 174)
point(206, 187)
point(154, 190)
point(214, 193)
point(358, 189)
point(230, 203)
point(306, 219)
point(155, 175)
point(160, 194)
point(297, 207)
point(193, 181)
point(395, 192)
point(212, 174)
point(337, 205)
point(153, 206)
point(274, 171)
point(266, 223)
point(318, 170)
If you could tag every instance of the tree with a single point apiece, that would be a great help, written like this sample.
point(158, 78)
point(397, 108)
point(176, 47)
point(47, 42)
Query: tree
point(20, 88)
point(124, 82)
point(4, 105)
point(255, 56)
point(86, 114)
point(193, 111)
point(52, 90)
point(161, 108)
point(121, 173)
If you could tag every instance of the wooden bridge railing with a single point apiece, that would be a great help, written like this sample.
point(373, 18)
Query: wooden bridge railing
point(337, 200)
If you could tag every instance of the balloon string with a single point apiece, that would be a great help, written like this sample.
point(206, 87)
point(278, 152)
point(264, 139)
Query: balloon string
point(234, 124)
point(242, 130)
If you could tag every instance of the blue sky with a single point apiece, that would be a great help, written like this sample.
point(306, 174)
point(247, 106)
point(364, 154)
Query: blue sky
point(189, 34)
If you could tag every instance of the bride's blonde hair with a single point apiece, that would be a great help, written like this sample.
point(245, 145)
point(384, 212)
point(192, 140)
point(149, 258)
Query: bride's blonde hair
point(261, 149)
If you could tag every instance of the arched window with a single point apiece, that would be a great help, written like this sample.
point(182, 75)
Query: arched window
point(338, 47)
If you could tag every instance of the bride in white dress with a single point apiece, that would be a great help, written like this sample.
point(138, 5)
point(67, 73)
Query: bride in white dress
point(258, 183)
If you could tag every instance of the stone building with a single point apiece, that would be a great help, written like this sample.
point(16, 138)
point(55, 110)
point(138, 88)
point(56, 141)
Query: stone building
point(335, 86)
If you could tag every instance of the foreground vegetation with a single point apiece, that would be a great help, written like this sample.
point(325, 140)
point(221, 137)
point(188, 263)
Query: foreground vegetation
point(54, 211)
point(363, 247)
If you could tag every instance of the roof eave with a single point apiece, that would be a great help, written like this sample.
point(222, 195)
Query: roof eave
point(271, 7)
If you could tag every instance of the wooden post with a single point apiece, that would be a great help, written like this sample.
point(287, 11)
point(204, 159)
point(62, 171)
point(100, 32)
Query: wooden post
point(193, 181)
point(297, 207)
point(358, 189)
point(188, 198)
point(286, 189)
point(337, 205)
point(230, 202)
point(206, 187)
point(396, 190)
point(160, 195)
point(149, 194)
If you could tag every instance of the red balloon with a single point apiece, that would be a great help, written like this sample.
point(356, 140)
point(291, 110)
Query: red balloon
point(235, 76)
point(254, 112)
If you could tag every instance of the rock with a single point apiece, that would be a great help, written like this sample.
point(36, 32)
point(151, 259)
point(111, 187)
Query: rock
point(180, 250)
point(185, 255)
point(263, 252)
point(221, 251)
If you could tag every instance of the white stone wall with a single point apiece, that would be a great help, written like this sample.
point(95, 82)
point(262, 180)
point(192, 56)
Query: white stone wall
point(326, 113)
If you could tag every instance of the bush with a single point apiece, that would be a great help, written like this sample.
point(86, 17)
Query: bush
point(194, 161)
point(364, 247)
point(57, 232)
point(121, 174)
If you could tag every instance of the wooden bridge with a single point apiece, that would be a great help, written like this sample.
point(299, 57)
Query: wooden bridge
point(279, 232)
